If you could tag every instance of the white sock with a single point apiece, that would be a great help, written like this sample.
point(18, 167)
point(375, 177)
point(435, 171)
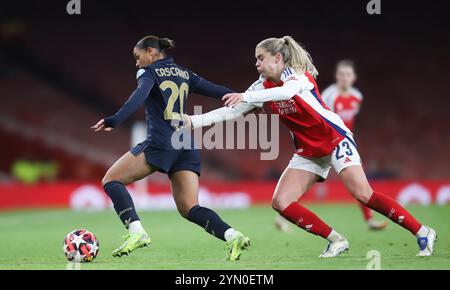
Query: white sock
point(135, 227)
point(423, 232)
point(230, 234)
point(334, 236)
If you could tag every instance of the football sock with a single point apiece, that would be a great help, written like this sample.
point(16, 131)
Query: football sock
point(136, 227)
point(334, 236)
point(423, 232)
point(367, 212)
point(394, 211)
point(209, 220)
point(123, 203)
point(306, 220)
point(230, 234)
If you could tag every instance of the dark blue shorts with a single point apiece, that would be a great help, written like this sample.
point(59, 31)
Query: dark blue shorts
point(169, 160)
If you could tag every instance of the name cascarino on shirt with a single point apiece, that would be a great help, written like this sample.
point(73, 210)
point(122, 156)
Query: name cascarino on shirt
point(172, 72)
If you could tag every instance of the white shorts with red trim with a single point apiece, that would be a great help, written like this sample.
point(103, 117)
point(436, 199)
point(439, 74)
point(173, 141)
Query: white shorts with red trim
point(343, 156)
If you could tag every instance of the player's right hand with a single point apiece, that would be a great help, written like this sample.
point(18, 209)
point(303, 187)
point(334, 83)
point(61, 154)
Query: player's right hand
point(101, 126)
point(232, 99)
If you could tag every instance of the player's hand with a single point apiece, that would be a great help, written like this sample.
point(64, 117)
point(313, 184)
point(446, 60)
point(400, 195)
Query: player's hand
point(101, 126)
point(232, 99)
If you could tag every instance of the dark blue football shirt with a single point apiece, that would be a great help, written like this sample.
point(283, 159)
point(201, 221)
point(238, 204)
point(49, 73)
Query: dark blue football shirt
point(163, 87)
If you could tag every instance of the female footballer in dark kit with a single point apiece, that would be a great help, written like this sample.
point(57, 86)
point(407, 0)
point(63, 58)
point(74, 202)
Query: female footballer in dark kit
point(163, 87)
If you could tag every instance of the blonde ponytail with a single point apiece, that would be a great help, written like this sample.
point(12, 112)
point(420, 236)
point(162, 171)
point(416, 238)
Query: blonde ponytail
point(294, 55)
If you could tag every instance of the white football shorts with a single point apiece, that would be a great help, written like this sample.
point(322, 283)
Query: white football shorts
point(343, 156)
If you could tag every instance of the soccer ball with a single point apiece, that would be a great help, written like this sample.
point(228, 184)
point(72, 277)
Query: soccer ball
point(80, 246)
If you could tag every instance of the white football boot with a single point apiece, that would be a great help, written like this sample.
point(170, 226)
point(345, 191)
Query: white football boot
point(334, 249)
point(426, 244)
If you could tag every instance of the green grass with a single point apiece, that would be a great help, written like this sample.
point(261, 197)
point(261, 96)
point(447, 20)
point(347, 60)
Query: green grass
point(33, 240)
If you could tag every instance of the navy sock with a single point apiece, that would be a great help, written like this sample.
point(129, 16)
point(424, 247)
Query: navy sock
point(209, 220)
point(123, 203)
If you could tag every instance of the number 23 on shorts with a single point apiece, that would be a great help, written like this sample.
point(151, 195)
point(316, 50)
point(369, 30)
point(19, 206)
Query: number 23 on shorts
point(343, 149)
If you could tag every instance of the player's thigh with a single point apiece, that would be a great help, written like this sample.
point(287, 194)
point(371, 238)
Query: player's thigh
point(347, 163)
point(128, 169)
point(356, 182)
point(291, 186)
point(184, 185)
point(298, 177)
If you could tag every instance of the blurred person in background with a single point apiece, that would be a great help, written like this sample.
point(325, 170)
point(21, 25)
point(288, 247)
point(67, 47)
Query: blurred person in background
point(345, 100)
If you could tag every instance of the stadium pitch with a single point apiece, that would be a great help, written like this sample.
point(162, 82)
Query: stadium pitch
point(33, 240)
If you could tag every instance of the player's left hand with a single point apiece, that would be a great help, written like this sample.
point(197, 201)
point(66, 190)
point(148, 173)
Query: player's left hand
point(232, 99)
point(101, 126)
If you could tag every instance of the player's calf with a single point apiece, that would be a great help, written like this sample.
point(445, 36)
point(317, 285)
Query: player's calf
point(307, 220)
point(122, 201)
point(213, 224)
point(387, 206)
point(209, 220)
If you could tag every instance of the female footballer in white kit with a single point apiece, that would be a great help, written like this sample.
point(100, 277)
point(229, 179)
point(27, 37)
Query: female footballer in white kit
point(321, 138)
point(345, 100)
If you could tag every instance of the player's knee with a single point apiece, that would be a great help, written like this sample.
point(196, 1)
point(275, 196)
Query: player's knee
point(185, 208)
point(183, 212)
point(276, 205)
point(364, 196)
point(125, 180)
point(360, 190)
point(106, 179)
point(279, 203)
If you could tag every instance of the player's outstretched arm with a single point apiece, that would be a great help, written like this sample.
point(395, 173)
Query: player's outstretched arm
point(285, 92)
point(219, 115)
point(291, 87)
point(204, 87)
point(136, 100)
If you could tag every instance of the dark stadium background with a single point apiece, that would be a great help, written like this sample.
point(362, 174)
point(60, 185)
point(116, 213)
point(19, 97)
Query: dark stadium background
point(60, 73)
